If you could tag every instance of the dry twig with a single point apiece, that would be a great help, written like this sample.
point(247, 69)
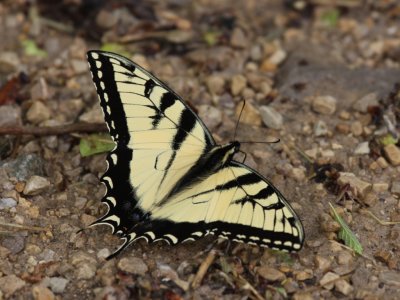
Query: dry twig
point(244, 284)
point(54, 130)
point(24, 227)
point(203, 268)
point(384, 223)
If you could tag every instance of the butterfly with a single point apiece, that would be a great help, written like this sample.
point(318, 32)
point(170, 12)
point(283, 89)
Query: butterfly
point(167, 179)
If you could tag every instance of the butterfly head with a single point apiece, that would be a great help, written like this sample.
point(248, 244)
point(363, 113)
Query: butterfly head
point(236, 146)
point(230, 150)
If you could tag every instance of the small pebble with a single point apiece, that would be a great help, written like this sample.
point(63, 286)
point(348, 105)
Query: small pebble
point(251, 66)
point(265, 88)
point(9, 62)
point(303, 296)
point(304, 275)
point(290, 286)
point(327, 153)
point(330, 226)
point(326, 280)
point(103, 253)
point(9, 284)
point(7, 203)
point(40, 292)
point(374, 166)
point(38, 112)
point(215, 84)
point(35, 185)
point(106, 19)
point(40, 90)
point(382, 162)
point(325, 105)
point(314, 243)
point(271, 118)
point(239, 39)
point(238, 83)
point(322, 263)
point(271, 274)
point(312, 153)
point(14, 243)
point(133, 265)
point(58, 284)
point(248, 93)
point(395, 187)
point(93, 115)
point(363, 103)
point(361, 187)
point(344, 115)
point(343, 128)
point(362, 148)
point(306, 129)
point(10, 115)
point(85, 271)
point(336, 146)
point(343, 287)
point(392, 153)
point(267, 66)
point(380, 187)
point(47, 255)
point(320, 128)
point(298, 173)
point(87, 219)
point(277, 57)
point(370, 199)
point(344, 258)
point(356, 128)
point(256, 53)
point(250, 115)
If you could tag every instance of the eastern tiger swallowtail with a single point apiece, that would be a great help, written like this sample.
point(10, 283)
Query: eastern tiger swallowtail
point(168, 180)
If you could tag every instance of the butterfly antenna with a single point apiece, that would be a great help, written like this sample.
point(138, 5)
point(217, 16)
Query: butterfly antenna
point(261, 142)
point(237, 123)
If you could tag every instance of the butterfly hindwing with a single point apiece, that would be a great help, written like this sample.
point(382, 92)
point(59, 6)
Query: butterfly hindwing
point(241, 206)
point(258, 213)
point(236, 203)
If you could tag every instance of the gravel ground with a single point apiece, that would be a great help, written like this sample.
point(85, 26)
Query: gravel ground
point(325, 79)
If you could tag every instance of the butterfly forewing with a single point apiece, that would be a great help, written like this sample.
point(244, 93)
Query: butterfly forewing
point(159, 141)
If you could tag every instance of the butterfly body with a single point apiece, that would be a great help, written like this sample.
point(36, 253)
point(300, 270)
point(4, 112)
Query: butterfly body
point(167, 178)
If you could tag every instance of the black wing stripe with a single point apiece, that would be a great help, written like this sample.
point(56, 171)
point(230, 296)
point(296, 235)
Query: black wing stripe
point(186, 124)
point(167, 100)
point(241, 180)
